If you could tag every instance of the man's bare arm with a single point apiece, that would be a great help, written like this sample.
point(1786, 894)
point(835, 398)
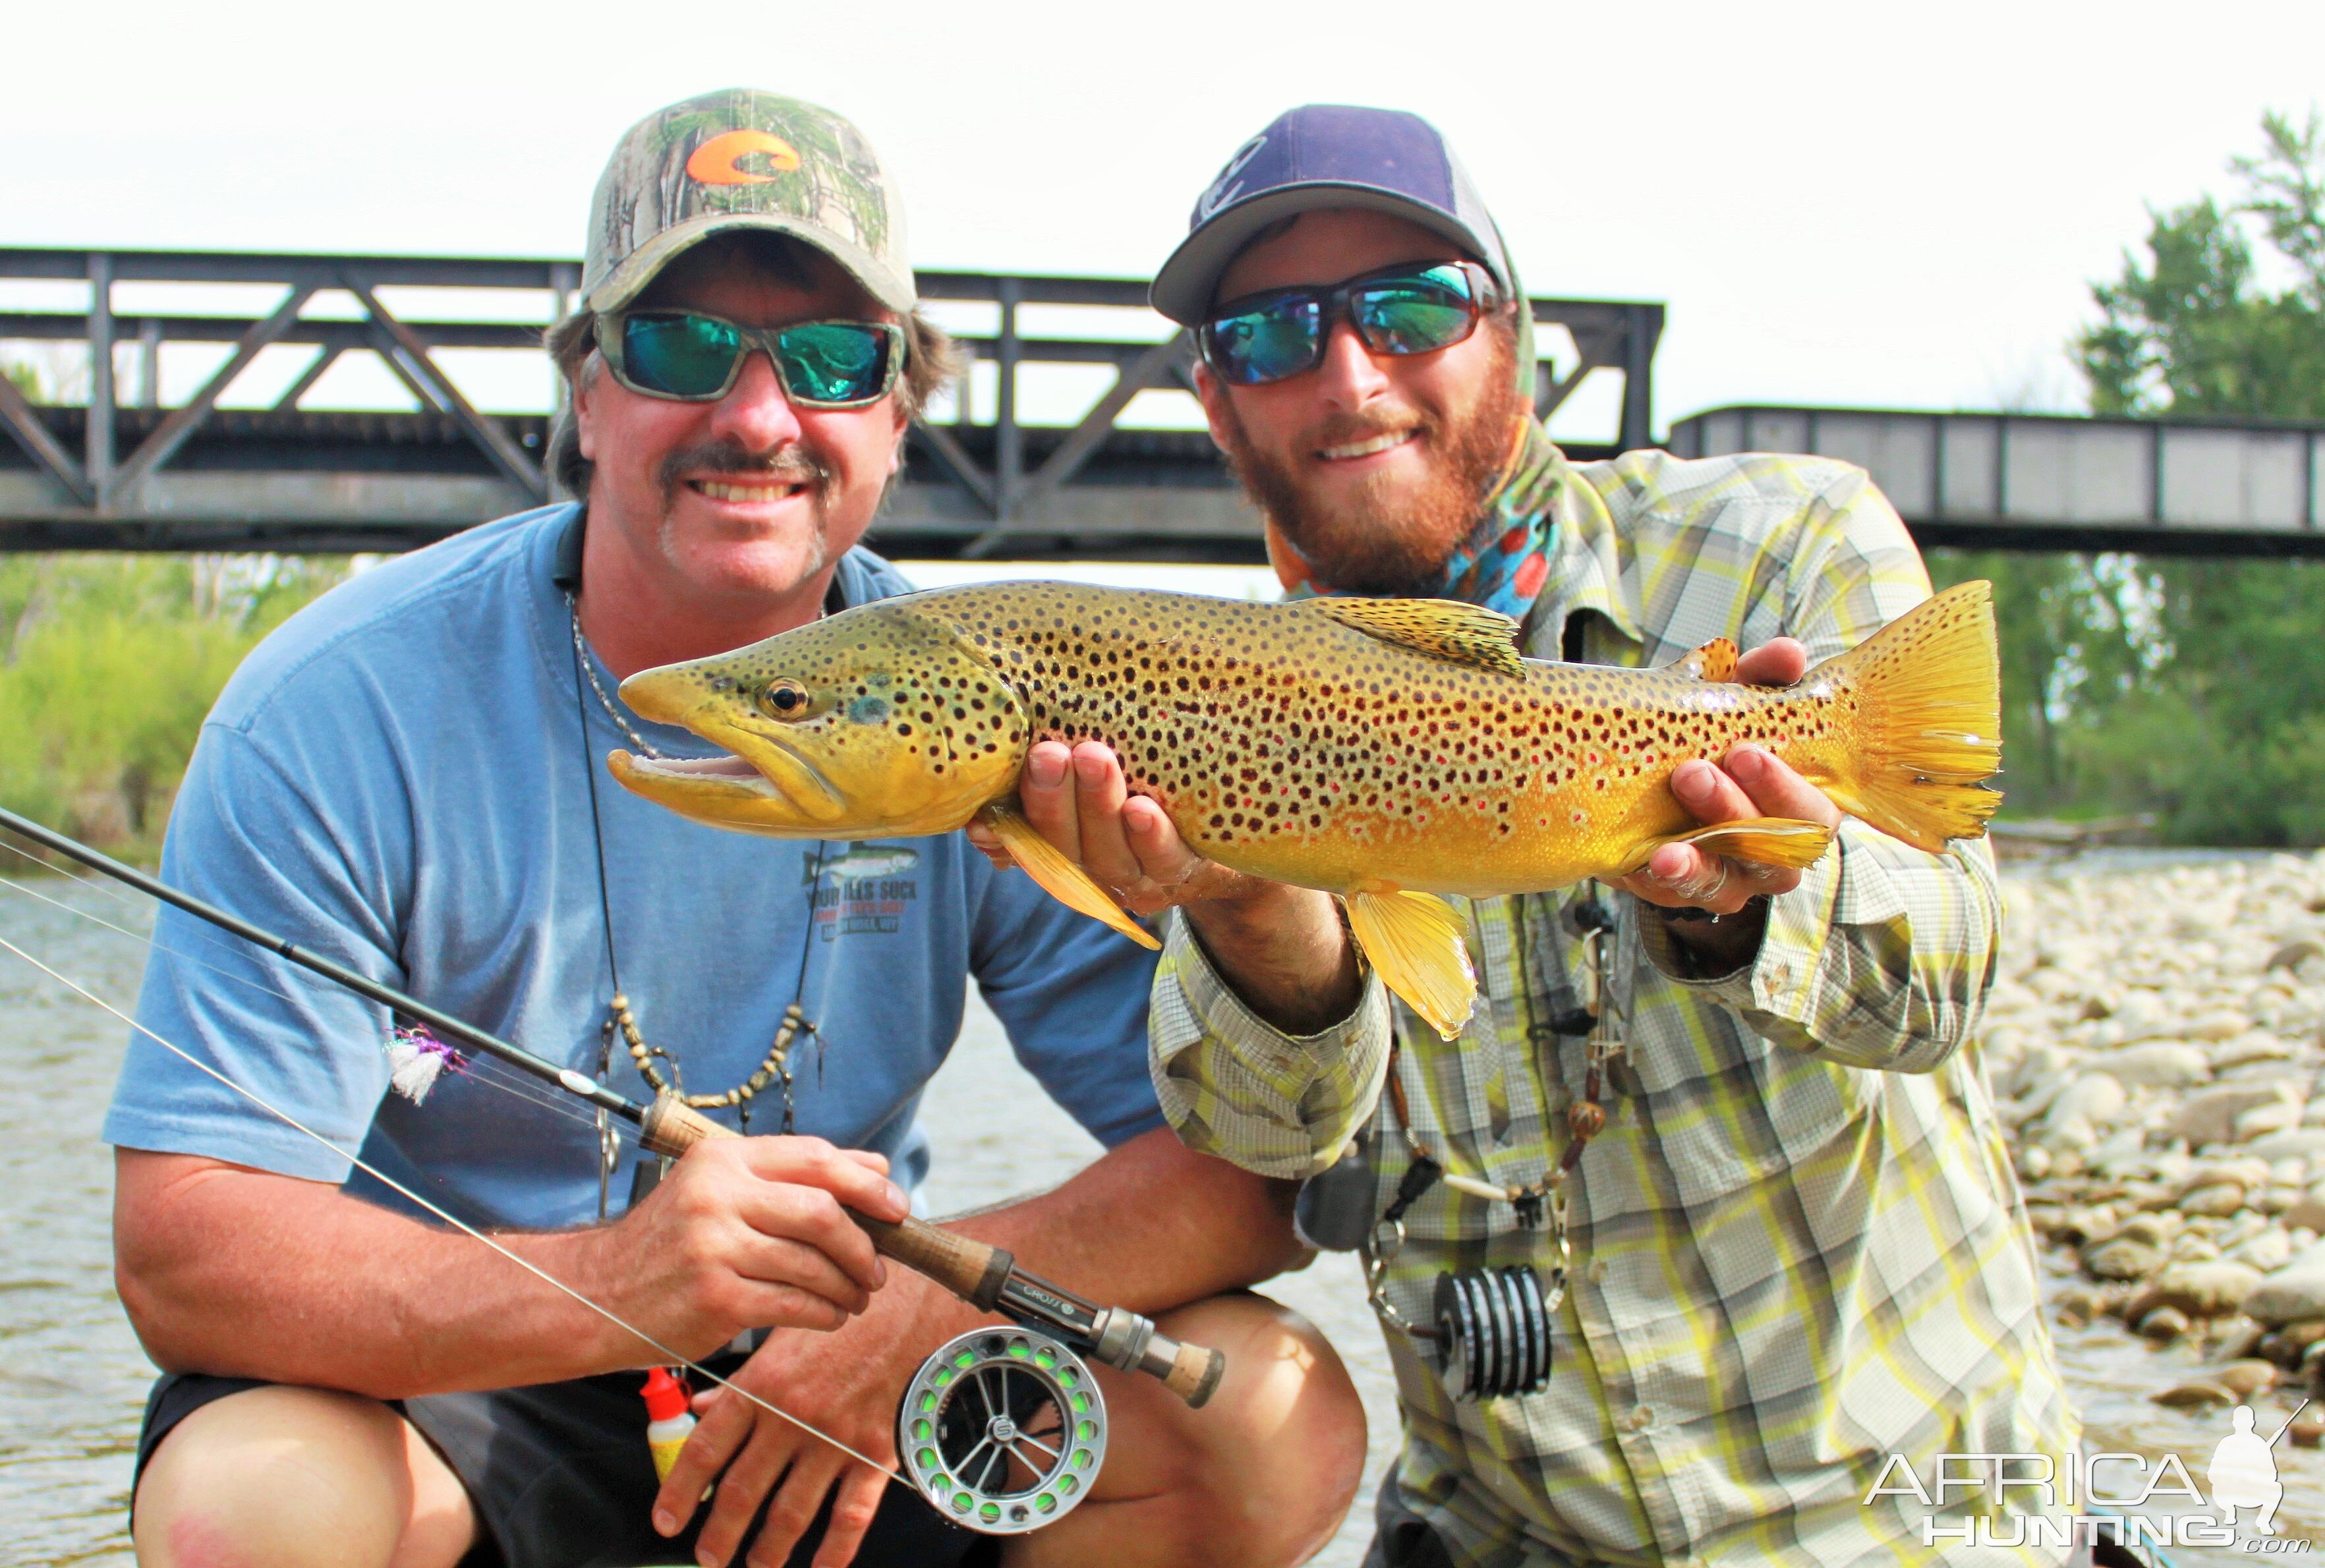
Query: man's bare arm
point(240, 1272)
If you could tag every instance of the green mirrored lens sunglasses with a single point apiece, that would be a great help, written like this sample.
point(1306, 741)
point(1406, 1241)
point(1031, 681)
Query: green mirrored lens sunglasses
point(687, 356)
point(1413, 308)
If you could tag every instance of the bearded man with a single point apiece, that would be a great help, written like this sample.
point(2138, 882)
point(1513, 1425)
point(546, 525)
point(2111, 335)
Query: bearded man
point(1793, 1247)
point(408, 776)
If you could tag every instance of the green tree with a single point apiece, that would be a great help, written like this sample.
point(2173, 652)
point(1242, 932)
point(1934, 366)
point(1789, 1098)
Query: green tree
point(107, 664)
point(2193, 330)
point(2194, 688)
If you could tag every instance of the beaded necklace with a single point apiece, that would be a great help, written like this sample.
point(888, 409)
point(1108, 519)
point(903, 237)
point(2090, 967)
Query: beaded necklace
point(621, 1021)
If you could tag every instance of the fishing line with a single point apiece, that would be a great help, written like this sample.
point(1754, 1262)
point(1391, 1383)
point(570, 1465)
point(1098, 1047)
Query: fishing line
point(486, 1071)
point(66, 872)
point(672, 1357)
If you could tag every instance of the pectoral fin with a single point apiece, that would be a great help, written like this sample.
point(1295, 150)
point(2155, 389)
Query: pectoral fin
point(1056, 875)
point(1768, 841)
point(1714, 660)
point(1414, 940)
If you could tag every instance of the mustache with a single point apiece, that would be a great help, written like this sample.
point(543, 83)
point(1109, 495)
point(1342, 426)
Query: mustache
point(788, 463)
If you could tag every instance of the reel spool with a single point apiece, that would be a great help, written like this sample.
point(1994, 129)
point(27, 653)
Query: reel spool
point(1002, 1430)
point(1493, 1329)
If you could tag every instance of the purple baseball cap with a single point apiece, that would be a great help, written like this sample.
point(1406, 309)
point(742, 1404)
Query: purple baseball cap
point(1327, 155)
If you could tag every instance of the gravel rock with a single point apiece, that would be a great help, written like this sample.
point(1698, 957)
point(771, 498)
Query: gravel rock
point(2122, 1258)
point(2209, 1115)
point(2302, 1143)
point(2253, 1045)
point(2263, 1119)
point(2249, 1171)
point(2200, 1290)
point(2288, 1296)
point(2214, 1198)
point(2164, 1324)
point(2292, 954)
point(2272, 1249)
point(2245, 1379)
point(2096, 1097)
point(2195, 1395)
point(2158, 1065)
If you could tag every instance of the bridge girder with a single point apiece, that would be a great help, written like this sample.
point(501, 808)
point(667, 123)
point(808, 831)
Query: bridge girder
point(198, 476)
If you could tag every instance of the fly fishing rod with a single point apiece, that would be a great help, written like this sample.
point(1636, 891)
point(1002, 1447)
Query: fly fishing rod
point(985, 1276)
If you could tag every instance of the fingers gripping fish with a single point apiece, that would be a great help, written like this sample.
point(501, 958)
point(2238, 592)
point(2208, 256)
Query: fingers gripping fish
point(1386, 751)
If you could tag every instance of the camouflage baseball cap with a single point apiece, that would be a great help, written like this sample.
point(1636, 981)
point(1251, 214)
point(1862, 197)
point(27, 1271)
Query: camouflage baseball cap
point(741, 159)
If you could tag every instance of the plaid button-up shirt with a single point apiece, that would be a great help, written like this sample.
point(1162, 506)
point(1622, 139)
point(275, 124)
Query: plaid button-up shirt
point(1797, 1246)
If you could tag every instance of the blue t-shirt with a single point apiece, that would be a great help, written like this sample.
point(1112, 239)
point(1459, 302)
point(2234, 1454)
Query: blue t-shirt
point(395, 778)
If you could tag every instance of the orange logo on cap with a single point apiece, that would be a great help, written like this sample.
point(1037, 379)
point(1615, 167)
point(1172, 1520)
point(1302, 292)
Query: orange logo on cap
point(714, 162)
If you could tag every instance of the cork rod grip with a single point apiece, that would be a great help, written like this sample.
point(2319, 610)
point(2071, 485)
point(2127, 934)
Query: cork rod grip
point(971, 1270)
point(672, 1127)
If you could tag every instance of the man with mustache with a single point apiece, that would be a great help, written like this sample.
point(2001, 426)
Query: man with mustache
point(1788, 1245)
point(408, 778)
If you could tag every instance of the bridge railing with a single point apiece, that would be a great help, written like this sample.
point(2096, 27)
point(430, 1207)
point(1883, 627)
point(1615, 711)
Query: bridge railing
point(105, 470)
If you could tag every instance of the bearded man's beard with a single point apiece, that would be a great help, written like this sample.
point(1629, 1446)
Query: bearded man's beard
point(1385, 541)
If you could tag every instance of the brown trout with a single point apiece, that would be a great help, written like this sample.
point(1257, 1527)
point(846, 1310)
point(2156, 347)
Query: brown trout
point(1385, 750)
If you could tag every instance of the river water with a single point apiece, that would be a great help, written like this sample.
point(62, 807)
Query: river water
point(72, 1378)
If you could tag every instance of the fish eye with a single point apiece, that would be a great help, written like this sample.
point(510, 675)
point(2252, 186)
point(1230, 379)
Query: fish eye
point(783, 699)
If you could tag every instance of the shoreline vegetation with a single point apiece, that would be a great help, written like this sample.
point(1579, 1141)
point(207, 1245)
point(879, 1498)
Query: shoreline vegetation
point(108, 664)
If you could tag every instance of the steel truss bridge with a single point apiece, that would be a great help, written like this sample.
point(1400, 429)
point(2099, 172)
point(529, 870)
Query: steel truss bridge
point(115, 472)
point(111, 471)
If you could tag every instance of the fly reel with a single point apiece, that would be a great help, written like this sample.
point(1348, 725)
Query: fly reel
point(1002, 1430)
point(1493, 1329)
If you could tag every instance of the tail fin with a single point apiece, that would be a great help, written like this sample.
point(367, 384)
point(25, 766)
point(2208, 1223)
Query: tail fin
point(1928, 721)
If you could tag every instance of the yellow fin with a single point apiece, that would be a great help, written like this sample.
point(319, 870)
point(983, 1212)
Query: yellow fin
point(1441, 628)
point(1414, 940)
point(1929, 726)
point(1768, 841)
point(1056, 875)
point(1714, 660)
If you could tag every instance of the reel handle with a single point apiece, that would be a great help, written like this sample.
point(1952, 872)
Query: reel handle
point(975, 1272)
point(1195, 1373)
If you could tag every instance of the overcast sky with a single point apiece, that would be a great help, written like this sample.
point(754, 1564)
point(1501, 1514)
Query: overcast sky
point(1865, 203)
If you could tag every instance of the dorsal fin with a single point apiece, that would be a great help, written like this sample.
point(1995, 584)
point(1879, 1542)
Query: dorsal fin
point(1714, 660)
point(1441, 628)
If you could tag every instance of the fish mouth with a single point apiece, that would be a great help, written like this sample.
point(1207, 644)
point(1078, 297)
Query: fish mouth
point(769, 788)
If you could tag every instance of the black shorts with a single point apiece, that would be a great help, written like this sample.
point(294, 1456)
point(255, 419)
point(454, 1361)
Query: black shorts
point(559, 1477)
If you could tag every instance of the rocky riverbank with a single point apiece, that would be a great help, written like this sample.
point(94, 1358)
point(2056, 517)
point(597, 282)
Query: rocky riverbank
point(2156, 1045)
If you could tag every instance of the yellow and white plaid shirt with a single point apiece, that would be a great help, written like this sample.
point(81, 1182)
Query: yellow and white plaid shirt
point(1798, 1247)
